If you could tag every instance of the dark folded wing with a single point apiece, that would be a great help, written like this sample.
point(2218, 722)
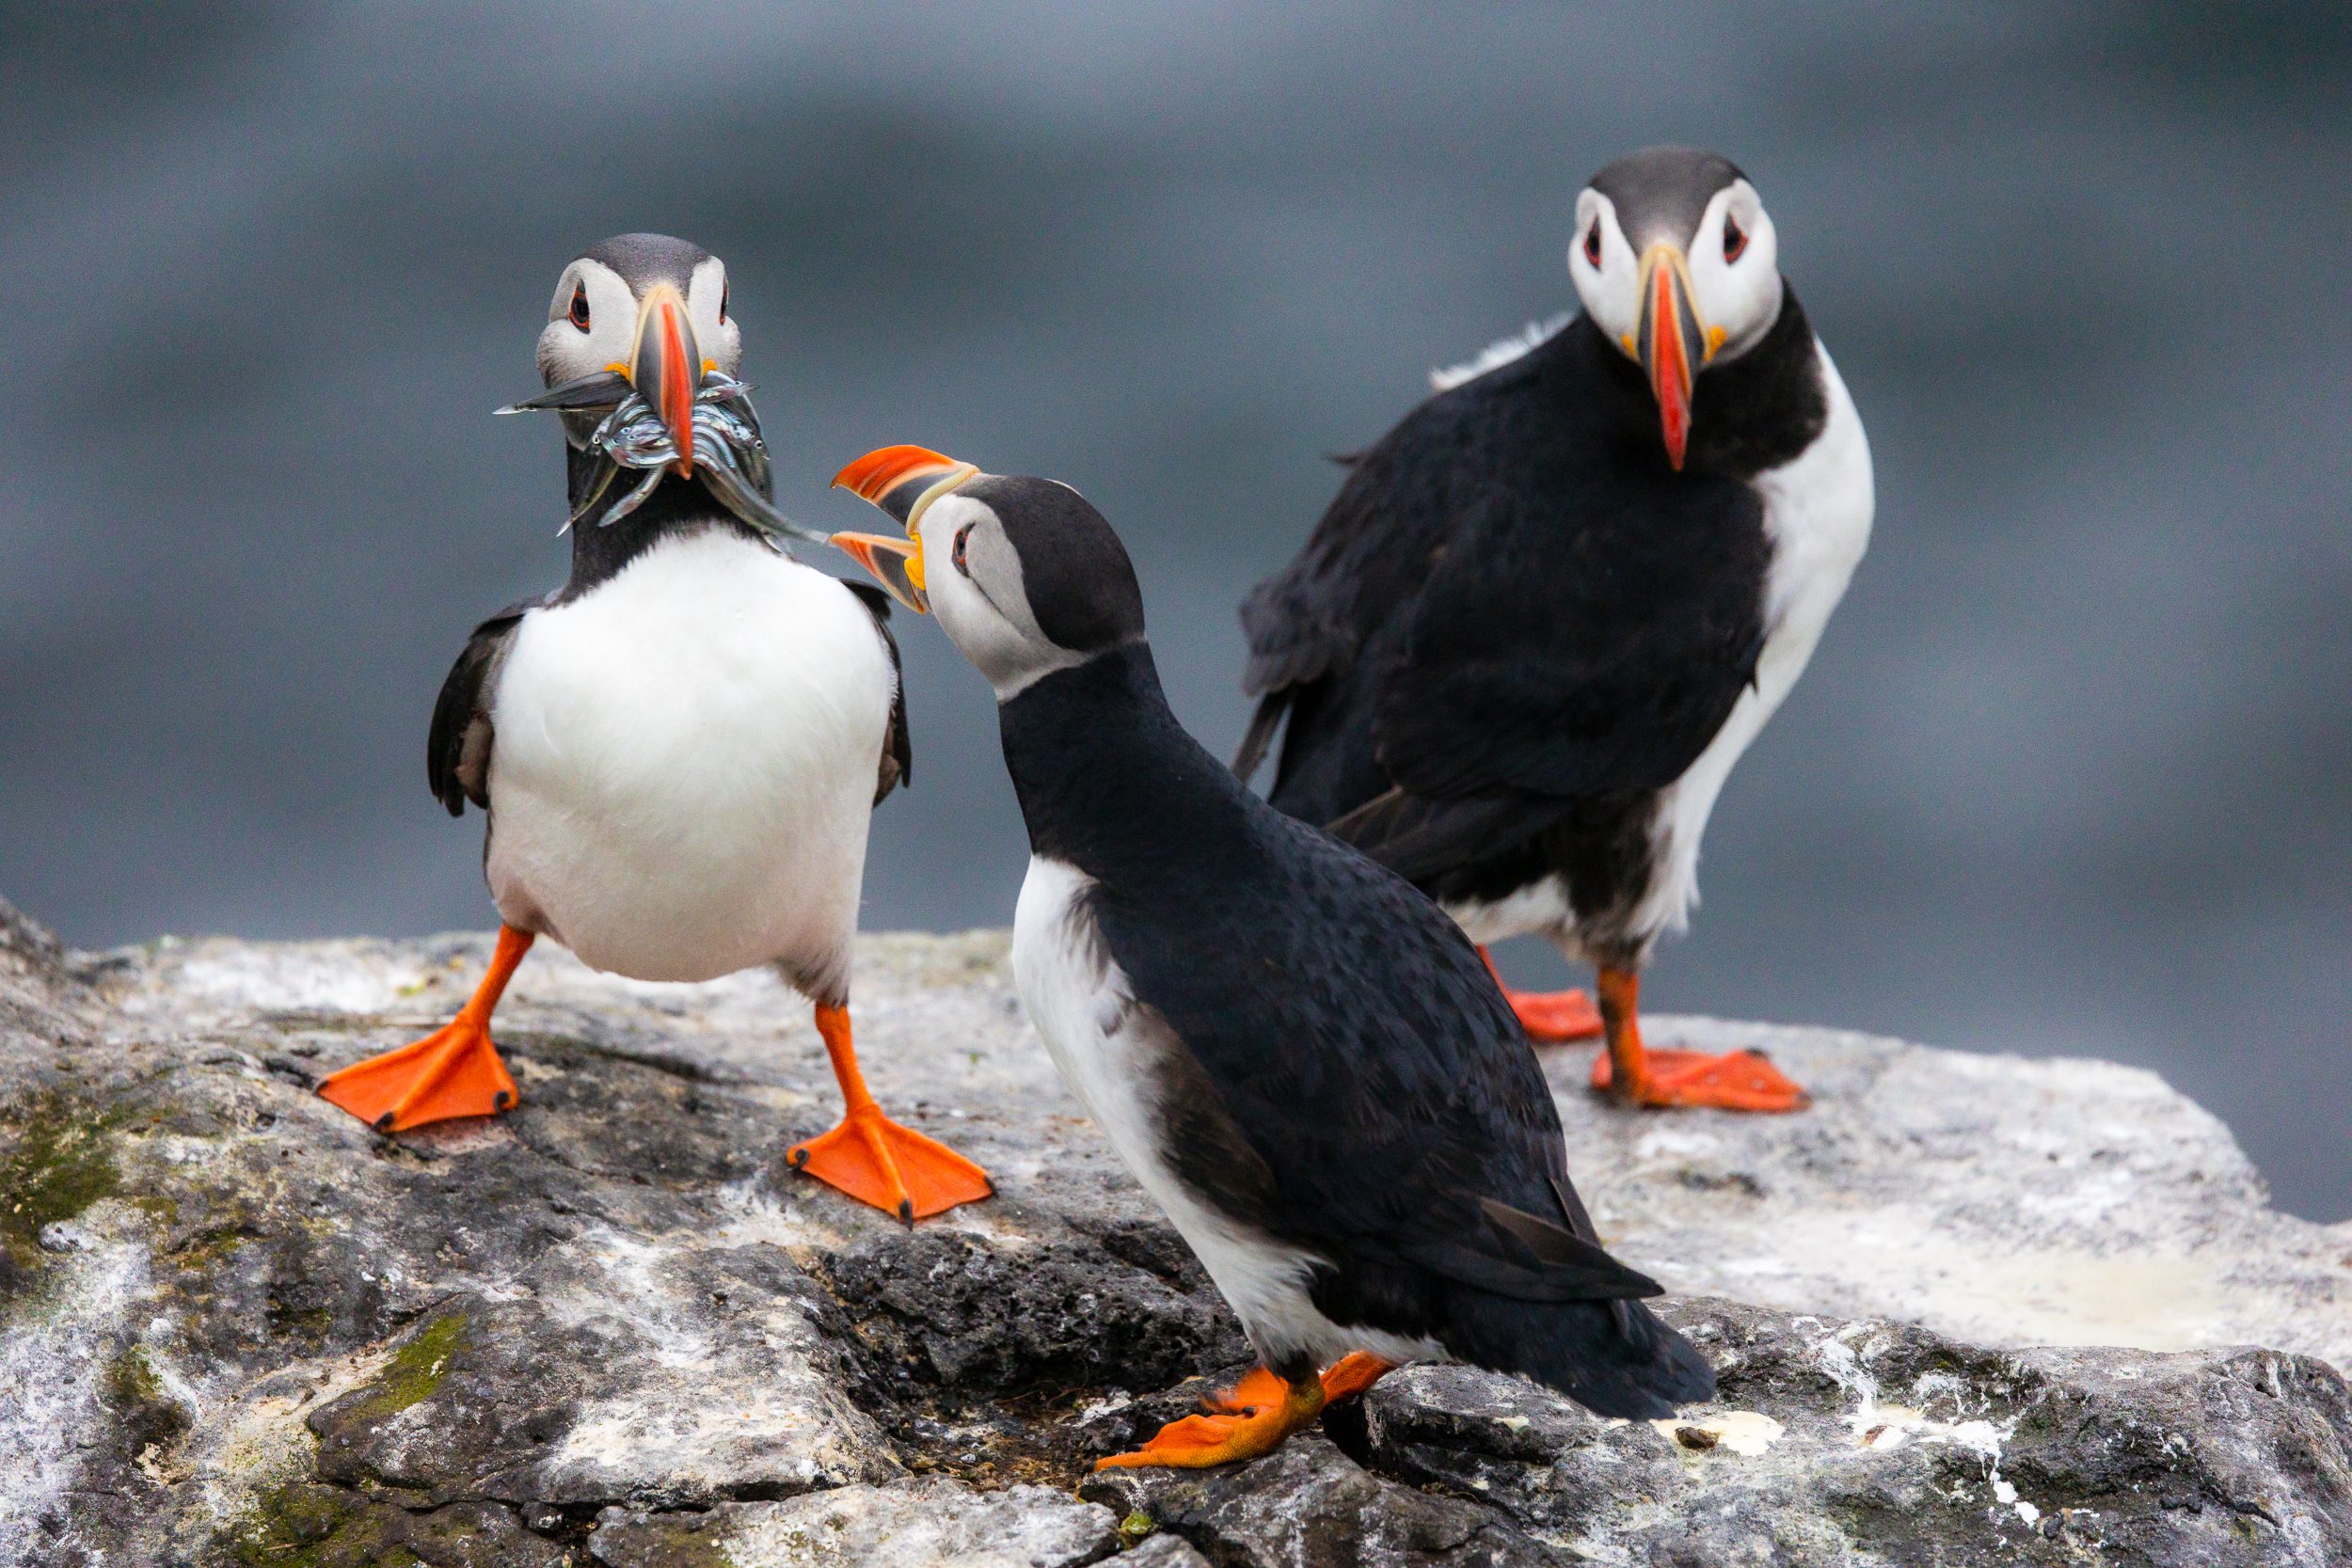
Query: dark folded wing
point(1365, 1091)
point(1358, 573)
point(1580, 672)
point(457, 748)
point(898, 760)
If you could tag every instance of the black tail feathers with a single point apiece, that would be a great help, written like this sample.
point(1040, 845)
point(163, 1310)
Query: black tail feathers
point(1613, 1357)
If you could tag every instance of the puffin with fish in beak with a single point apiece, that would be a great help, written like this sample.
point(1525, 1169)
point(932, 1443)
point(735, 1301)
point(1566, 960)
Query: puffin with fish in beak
point(1547, 613)
point(678, 751)
point(1301, 1058)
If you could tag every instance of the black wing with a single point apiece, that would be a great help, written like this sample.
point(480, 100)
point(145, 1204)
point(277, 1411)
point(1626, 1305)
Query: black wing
point(457, 749)
point(1359, 1085)
point(897, 761)
point(1362, 567)
point(1599, 670)
point(1502, 613)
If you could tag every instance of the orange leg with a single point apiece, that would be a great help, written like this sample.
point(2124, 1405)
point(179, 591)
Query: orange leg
point(1549, 1016)
point(1251, 1417)
point(1737, 1081)
point(453, 1072)
point(875, 1160)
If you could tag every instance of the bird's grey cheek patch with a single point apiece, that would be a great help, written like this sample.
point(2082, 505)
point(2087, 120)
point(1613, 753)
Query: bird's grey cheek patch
point(994, 569)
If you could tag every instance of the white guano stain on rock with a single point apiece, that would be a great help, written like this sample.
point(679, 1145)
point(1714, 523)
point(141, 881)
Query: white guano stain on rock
point(2001, 1200)
point(51, 1372)
point(1747, 1433)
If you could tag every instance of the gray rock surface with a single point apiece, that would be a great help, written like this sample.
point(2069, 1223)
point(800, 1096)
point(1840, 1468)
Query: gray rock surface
point(237, 1327)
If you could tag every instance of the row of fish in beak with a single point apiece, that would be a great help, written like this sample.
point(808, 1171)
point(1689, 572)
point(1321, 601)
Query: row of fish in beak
point(722, 447)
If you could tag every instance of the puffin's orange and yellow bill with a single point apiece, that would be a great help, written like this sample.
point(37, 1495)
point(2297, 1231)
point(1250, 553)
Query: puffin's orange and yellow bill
point(1664, 340)
point(903, 480)
point(666, 366)
point(897, 564)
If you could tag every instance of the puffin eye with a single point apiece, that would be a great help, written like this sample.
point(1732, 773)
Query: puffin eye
point(955, 556)
point(1591, 243)
point(725, 290)
point(1735, 238)
point(580, 306)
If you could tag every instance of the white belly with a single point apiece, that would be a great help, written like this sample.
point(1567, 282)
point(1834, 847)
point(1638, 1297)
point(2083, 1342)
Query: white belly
point(1107, 1047)
point(683, 765)
point(1817, 516)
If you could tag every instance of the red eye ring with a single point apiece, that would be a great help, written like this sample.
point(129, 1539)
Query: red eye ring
point(1735, 238)
point(580, 306)
point(955, 556)
point(1591, 243)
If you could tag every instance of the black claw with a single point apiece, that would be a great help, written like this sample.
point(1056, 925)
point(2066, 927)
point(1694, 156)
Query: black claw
point(384, 1122)
point(799, 1158)
point(906, 1212)
point(500, 1101)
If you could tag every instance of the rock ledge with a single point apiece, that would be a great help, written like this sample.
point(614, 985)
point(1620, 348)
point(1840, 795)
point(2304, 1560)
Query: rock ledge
point(236, 1327)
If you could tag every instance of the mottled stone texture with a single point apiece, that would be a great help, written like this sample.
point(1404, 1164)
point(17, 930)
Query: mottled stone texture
point(237, 1327)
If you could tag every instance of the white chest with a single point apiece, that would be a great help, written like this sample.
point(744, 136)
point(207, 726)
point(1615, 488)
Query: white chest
point(1816, 514)
point(684, 761)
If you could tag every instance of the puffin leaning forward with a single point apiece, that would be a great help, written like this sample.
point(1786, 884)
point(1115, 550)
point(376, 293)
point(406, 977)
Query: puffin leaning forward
point(1299, 1057)
point(679, 750)
point(1547, 612)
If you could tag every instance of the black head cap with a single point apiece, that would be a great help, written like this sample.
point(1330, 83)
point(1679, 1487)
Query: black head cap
point(642, 260)
point(1080, 586)
point(1660, 193)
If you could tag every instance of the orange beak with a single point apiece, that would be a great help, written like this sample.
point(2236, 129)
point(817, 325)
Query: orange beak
point(897, 564)
point(666, 366)
point(903, 482)
point(1664, 341)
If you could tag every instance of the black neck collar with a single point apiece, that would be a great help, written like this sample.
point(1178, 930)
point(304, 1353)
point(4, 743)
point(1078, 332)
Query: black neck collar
point(1751, 414)
point(1108, 781)
point(677, 506)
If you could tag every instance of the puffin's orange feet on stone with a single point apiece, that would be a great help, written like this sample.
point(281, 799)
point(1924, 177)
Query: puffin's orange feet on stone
point(1737, 1081)
point(1236, 1433)
point(895, 1168)
point(1549, 1016)
point(1355, 1373)
point(871, 1157)
point(453, 1072)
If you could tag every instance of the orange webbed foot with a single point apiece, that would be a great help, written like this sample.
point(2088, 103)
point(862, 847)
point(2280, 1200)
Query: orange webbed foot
point(1355, 1373)
point(453, 1072)
point(1736, 1081)
point(1258, 1389)
point(1550, 1017)
point(895, 1168)
point(1235, 1431)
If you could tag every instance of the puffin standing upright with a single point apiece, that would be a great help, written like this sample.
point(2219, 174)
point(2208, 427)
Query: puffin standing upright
point(1547, 612)
point(679, 750)
point(1299, 1057)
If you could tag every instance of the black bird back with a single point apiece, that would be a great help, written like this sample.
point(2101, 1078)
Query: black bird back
point(1350, 1081)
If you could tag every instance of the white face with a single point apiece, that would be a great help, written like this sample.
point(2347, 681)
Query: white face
point(1733, 263)
point(591, 292)
point(972, 575)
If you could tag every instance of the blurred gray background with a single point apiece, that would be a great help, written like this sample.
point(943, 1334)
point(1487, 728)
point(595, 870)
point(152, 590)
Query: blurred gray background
point(2070, 773)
